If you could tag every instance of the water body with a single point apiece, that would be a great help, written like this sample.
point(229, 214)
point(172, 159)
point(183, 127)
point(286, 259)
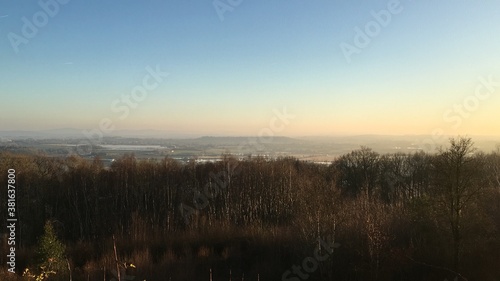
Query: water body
point(127, 147)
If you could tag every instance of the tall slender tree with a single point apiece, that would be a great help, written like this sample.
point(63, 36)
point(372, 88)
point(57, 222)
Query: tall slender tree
point(458, 181)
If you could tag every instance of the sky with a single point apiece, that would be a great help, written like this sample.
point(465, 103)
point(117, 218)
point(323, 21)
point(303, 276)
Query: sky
point(241, 67)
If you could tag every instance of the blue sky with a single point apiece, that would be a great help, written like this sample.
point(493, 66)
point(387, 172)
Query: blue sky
point(226, 77)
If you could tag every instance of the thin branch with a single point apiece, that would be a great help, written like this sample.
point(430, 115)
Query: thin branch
point(438, 267)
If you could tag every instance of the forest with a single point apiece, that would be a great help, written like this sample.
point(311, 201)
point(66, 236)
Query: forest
point(366, 216)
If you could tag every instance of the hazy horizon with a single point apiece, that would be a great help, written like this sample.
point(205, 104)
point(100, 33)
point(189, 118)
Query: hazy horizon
point(152, 133)
point(252, 68)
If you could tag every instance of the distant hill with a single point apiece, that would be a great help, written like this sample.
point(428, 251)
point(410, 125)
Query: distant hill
point(331, 145)
point(79, 133)
point(54, 133)
point(208, 140)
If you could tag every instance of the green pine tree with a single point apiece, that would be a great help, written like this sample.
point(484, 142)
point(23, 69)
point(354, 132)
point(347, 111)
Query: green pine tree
point(51, 252)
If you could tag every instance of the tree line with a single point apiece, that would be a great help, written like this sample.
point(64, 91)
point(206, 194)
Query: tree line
point(401, 216)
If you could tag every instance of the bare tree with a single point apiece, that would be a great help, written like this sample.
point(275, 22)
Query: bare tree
point(458, 181)
point(359, 171)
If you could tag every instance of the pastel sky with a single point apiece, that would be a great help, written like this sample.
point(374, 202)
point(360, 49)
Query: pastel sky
point(231, 69)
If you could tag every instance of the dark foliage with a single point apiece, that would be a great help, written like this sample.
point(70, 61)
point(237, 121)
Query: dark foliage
point(396, 217)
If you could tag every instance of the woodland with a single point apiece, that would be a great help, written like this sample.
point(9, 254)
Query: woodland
point(366, 216)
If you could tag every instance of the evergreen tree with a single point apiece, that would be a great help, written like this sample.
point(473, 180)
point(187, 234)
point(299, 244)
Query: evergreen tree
point(51, 252)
